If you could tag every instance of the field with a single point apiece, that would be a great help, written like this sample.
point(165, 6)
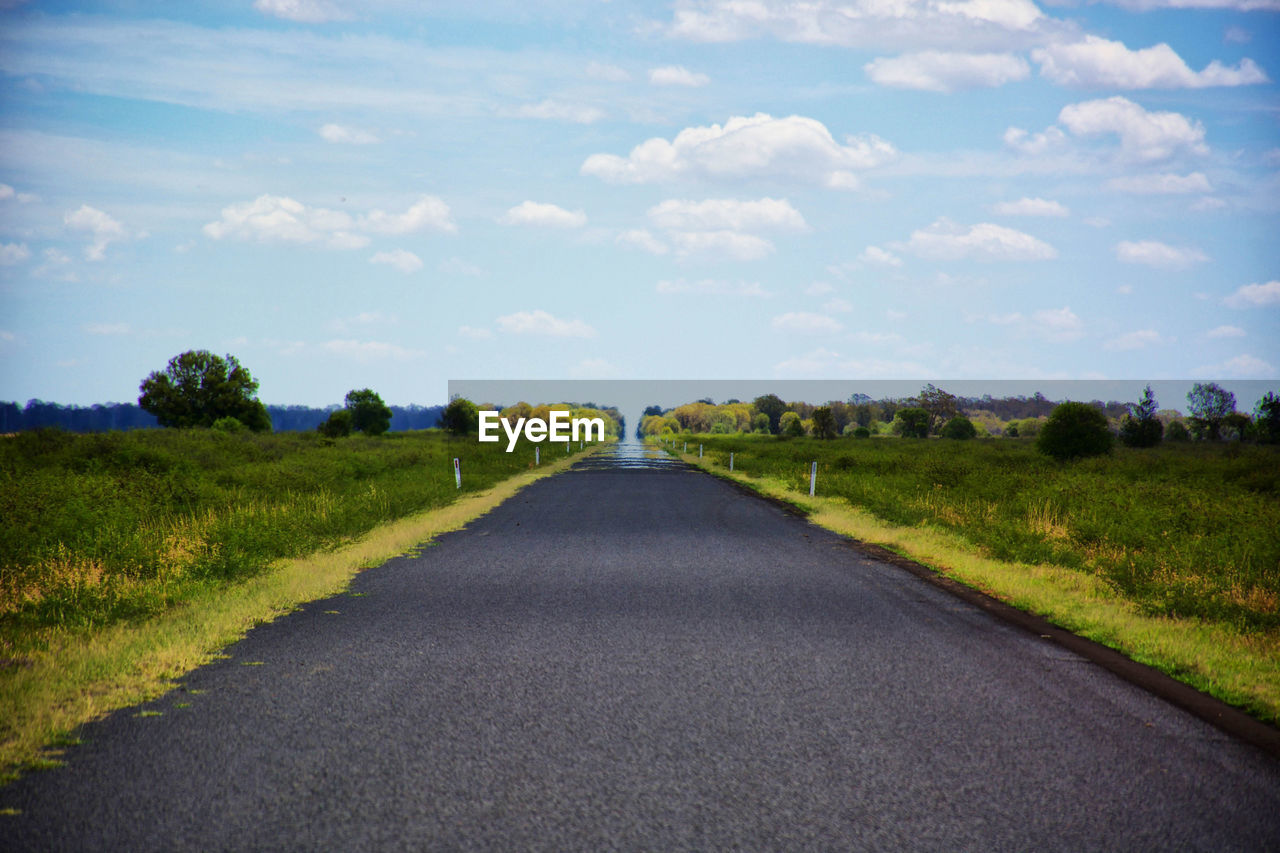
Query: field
point(119, 526)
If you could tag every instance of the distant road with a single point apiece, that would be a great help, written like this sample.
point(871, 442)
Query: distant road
point(634, 655)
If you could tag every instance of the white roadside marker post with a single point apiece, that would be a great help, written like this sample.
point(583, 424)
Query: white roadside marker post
point(699, 451)
point(813, 478)
point(537, 456)
point(730, 461)
point(686, 447)
point(457, 471)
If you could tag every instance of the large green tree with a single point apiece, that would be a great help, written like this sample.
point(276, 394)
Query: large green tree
point(461, 417)
point(912, 422)
point(1210, 404)
point(368, 413)
point(1141, 427)
point(198, 388)
point(771, 405)
point(1074, 430)
point(824, 422)
point(940, 405)
point(1267, 418)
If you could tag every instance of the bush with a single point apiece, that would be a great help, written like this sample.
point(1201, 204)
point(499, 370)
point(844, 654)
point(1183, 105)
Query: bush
point(1177, 431)
point(1140, 432)
point(862, 432)
point(1074, 430)
point(228, 424)
point(912, 422)
point(960, 428)
point(338, 425)
point(789, 425)
point(461, 417)
point(368, 413)
point(1011, 431)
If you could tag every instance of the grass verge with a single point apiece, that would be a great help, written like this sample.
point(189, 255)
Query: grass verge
point(1239, 667)
point(84, 674)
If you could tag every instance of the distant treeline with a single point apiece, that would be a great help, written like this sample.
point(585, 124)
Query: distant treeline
point(102, 417)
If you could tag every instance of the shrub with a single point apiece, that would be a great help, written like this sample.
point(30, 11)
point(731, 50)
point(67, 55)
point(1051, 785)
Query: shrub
point(912, 422)
point(1177, 431)
point(461, 417)
point(1141, 427)
point(338, 425)
point(1266, 418)
point(368, 413)
point(1074, 430)
point(1011, 431)
point(789, 425)
point(960, 428)
point(862, 432)
point(228, 424)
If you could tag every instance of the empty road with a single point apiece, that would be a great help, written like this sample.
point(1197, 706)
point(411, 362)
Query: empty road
point(635, 656)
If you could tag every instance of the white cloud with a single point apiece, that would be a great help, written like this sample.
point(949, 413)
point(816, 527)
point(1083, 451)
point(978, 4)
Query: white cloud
point(806, 323)
point(879, 257)
point(1058, 325)
point(714, 214)
point(370, 351)
point(13, 253)
point(1238, 5)
point(711, 287)
point(539, 322)
point(1208, 203)
point(946, 240)
point(677, 75)
point(1097, 63)
point(406, 262)
point(476, 334)
point(730, 244)
point(427, 213)
point(543, 215)
point(1225, 332)
point(1034, 144)
point(1156, 254)
point(610, 73)
point(642, 239)
point(103, 228)
point(873, 24)
point(1143, 135)
point(7, 192)
point(303, 11)
point(1240, 367)
point(935, 71)
point(1134, 340)
point(759, 146)
point(1167, 184)
point(278, 219)
point(553, 110)
point(342, 135)
point(1255, 295)
point(1031, 207)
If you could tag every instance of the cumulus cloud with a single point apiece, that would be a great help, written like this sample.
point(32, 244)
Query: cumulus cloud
point(1166, 184)
point(7, 192)
point(543, 215)
point(1034, 144)
point(728, 244)
point(806, 323)
point(303, 11)
point(936, 71)
point(539, 322)
point(406, 262)
point(279, 219)
point(1143, 135)
point(343, 135)
point(725, 213)
point(677, 75)
point(554, 110)
point(759, 146)
point(1153, 253)
point(1255, 295)
point(1134, 340)
point(13, 253)
point(1225, 332)
point(857, 23)
point(947, 240)
point(641, 238)
point(712, 287)
point(1238, 5)
point(1031, 207)
point(879, 257)
point(1098, 63)
point(100, 226)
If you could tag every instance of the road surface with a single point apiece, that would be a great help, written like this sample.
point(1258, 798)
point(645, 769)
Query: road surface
point(633, 655)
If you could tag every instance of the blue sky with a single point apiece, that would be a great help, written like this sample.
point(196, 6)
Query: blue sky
point(394, 194)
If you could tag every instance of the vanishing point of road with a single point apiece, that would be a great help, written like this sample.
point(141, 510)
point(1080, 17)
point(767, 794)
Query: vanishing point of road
point(633, 655)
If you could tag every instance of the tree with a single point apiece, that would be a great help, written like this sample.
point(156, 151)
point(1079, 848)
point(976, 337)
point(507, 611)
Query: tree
point(1140, 427)
point(912, 422)
point(1177, 431)
point(338, 425)
point(789, 424)
point(198, 388)
point(824, 423)
point(760, 423)
point(939, 404)
point(960, 428)
point(771, 405)
point(368, 413)
point(1210, 404)
point(1074, 430)
point(461, 417)
point(1266, 418)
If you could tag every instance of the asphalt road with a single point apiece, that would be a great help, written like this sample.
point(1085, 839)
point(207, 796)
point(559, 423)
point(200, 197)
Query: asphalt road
point(633, 656)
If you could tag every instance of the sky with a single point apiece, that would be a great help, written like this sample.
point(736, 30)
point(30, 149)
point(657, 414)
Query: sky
point(394, 194)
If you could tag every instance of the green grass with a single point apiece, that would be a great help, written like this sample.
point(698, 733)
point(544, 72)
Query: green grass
point(118, 526)
point(1168, 554)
